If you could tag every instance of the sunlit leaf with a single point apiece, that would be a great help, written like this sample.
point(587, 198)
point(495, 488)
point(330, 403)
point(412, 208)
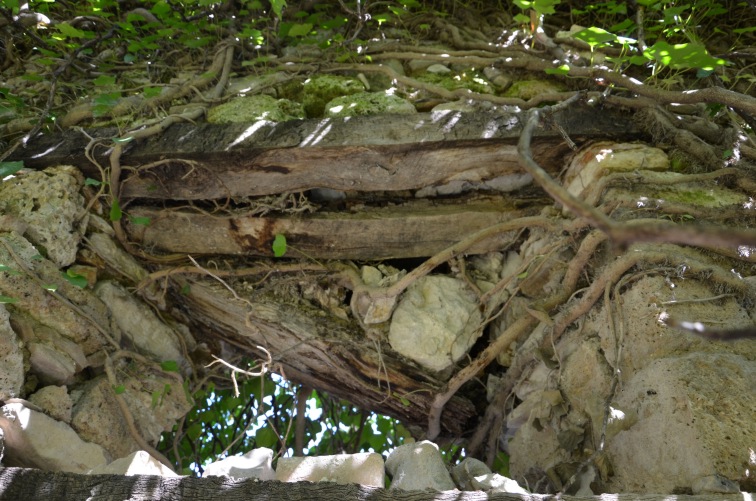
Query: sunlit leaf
point(9, 168)
point(279, 245)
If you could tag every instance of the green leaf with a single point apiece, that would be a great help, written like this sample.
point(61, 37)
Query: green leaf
point(300, 30)
point(119, 389)
point(7, 300)
point(265, 437)
point(279, 245)
point(561, 70)
point(10, 271)
point(156, 398)
point(9, 168)
point(169, 366)
point(682, 56)
point(92, 182)
point(150, 92)
point(598, 37)
point(185, 290)
point(75, 279)
point(69, 31)
point(115, 211)
point(139, 220)
point(104, 103)
point(278, 6)
point(104, 80)
point(194, 431)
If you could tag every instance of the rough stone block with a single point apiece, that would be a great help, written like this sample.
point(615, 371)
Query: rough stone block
point(364, 468)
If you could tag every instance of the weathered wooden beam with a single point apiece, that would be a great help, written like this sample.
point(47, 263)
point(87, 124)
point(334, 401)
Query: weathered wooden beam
point(367, 153)
point(417, 229)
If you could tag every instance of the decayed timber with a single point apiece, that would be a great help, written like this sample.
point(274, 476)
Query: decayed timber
point(417, 229)
point(320, 350)
point(37, 485)
point(369, 153)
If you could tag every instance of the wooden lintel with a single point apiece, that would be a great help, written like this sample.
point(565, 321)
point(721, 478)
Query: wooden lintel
point(366, 234)
point(367, 153)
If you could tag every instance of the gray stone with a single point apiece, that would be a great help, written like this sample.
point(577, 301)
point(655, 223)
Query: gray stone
point(368, 103)
point(39, 317)
point(35, 440)
point(254, 108)
point(11, 359)
point(155, 400)
point(50, 203)
point(136, 463)
point(256, 463)
point(418, 466)
point(528, 89)
point(319, 90)
point(438, 69)
point(464, 473)
point(139, 323)
point(689, 424)
point(436, 322)
point(417, 66)
point(365, 468)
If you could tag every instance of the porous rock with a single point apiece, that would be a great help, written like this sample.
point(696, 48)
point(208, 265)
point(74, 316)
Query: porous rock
point(139, 323)
point(11, 359)
point(50, 204)
point(55, 401)
point(155, 400)
point(368, 103)
point(436, 322)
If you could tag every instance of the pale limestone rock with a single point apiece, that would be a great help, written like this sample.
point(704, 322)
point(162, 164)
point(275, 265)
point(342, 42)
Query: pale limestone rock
point(254, 464)
point(11, 359)
point(50, 203)
point(33, 439)
point(364, 468)
point(438, 69)
point(435, 322)
point(600, 159)
point(139, 323)
point(55, 401)
point(464, 473)
point(39, 317)
point(97, 417)
point(695, 420)
point(493, 483)
point(418, 466)
point(136, 463)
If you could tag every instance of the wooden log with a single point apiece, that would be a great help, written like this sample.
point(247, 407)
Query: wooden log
point(366, 153)
point(417, 229)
